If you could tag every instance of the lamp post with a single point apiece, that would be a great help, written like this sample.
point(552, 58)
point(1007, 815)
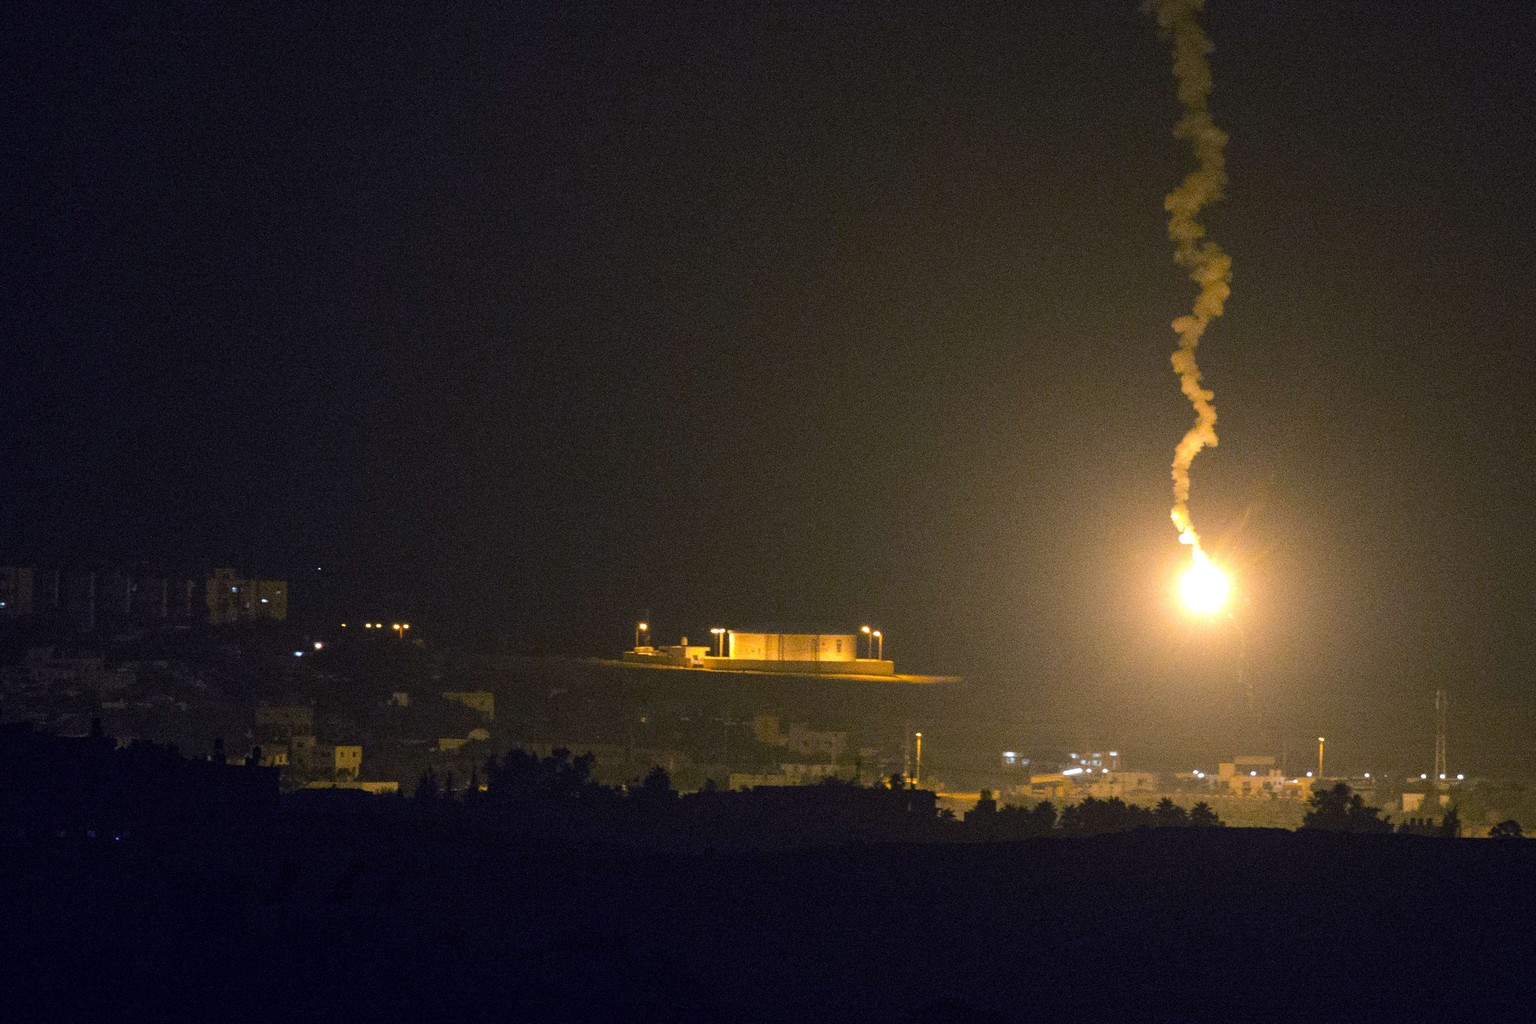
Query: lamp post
point(879, 645)
point(400, 628)
point(1319, 757)
point(719, 632)
point(867, 638)
point(917, 766)
point(641, 628)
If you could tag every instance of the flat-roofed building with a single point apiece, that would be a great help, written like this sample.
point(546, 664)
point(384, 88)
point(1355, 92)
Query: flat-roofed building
point(789, 653)
point(1258, 776)
point(791, 646)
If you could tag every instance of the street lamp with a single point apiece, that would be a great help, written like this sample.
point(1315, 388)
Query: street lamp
point(867, 638)
point(641, 627)
point(917, 767)
point(1319, 757)
point(879, 645)
point(719, 632)
point(400, 628)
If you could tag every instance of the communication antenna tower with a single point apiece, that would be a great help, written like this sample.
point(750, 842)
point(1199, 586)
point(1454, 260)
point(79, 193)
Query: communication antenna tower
point(1442, 701)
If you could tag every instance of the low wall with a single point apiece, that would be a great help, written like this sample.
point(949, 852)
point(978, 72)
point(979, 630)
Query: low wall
point(862, 667)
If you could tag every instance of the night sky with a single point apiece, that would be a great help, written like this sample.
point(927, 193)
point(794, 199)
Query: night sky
point(522, 318)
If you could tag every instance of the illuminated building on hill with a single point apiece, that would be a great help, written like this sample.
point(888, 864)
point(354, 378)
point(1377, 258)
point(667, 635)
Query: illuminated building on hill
point(792, 653)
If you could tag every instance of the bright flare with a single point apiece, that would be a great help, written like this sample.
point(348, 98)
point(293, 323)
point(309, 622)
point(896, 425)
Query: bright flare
point(1204, 587)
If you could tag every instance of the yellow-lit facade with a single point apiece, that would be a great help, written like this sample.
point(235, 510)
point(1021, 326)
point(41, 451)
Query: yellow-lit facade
point(808, 653)
point(1256, 776)
point(791, 646)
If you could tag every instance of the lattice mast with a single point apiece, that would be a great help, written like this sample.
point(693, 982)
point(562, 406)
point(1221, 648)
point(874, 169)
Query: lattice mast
point(1442, 702)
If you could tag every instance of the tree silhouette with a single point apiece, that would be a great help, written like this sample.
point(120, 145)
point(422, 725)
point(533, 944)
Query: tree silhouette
point(1042, 818)
point(1341, 809)
point(1094, 817)
point(1168, 814)
point(984, 811)
point(1201, 816)
point(525, 781)
point(1509, 828)
point(656, 788)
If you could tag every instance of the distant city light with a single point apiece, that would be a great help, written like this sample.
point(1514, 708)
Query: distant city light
point(1253, 773)
point(1367, 774)
point(1422, 775)
point(1073, 771)
point(1309, 775)
point(298, 654)
point(319, 645)
point(1459, 777)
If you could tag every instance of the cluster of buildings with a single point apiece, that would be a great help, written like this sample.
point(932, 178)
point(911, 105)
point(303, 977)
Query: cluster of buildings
point(62, 689)
point(406, 734)
point(298, 723)
point(88, 599)
point(1099, 774)
point(319, 716)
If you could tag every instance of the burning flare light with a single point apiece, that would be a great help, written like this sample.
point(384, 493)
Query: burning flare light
point(1209, 267)
point(1204, 587)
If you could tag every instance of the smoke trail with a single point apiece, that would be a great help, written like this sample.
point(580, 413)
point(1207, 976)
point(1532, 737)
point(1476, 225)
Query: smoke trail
point(1209, 267)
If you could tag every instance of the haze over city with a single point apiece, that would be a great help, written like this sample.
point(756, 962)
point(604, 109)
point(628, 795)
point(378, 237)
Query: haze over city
point(531, 339)
point(550, 316)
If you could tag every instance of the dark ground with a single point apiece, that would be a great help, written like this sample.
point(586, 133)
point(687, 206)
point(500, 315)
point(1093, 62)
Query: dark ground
point(1228, 924)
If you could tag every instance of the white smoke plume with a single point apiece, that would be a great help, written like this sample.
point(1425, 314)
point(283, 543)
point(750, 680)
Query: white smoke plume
point(1208, 266)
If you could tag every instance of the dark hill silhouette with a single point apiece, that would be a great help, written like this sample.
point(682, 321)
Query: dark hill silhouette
point(556, 899)
point(1157, 924)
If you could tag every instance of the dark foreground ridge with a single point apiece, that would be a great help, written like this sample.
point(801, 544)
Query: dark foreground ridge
point(1157, 924)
